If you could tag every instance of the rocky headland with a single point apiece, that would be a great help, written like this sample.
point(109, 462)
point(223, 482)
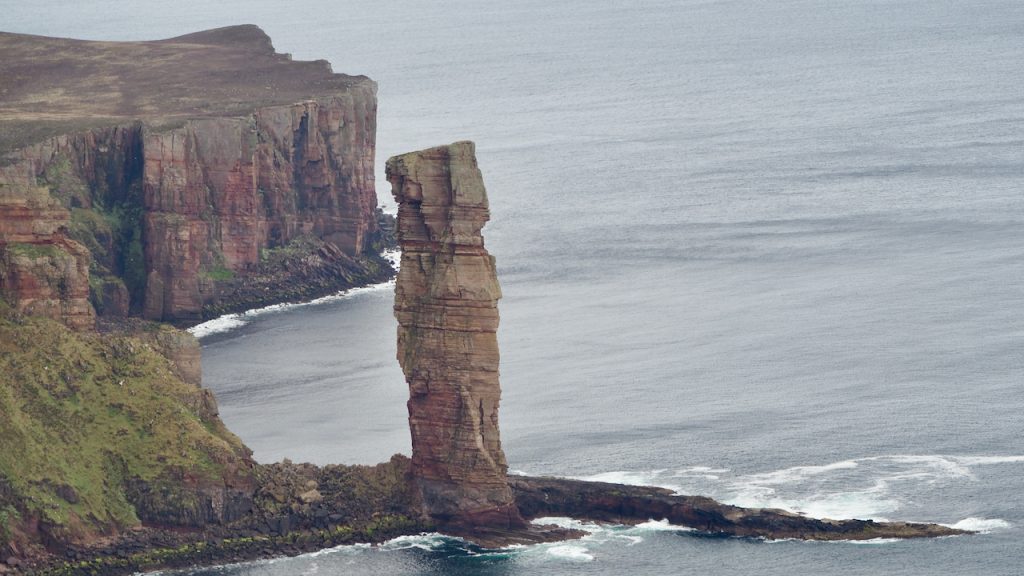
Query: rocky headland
point(180, 179)
point(168, 181)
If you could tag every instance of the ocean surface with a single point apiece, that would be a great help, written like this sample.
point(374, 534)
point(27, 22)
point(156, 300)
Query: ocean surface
point(770, 252)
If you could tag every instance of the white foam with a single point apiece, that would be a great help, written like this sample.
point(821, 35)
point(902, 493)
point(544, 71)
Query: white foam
point(568, 523)
point(982, 525)
point(937, 466)
point(217, 325)
point(634, 478)
point(428, 541)
point(873, 487)
point(987, 460)
point(600, 534)
point(229, 322)
point(866, 488)
point(870, 503)
point(872, 541)
point(631, 478)
point(798, 473)
point(341, 548)
point(572, 552)
point(662, 525)
point(703, 472)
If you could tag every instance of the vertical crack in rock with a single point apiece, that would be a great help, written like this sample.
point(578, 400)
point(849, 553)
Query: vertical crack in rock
point(446, 304)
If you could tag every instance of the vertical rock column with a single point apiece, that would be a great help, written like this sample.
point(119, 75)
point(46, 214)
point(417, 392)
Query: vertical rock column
point(446, 304)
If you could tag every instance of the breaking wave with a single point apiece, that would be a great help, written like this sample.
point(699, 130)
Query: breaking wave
point(867, 488)
point(981, 525)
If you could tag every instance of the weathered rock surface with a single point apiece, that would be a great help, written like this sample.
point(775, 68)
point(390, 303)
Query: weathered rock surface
point(42, 271)
point(446, 304)
point(183, 161)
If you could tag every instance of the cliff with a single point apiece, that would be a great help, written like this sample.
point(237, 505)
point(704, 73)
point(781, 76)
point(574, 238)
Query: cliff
point(446, 305)
point(101, 433)
point(114, 460)
point(188, 177)
point(182, 165)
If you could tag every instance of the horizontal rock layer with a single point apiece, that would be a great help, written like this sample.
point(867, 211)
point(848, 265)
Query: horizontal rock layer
point(180, 181)
point(446, 304)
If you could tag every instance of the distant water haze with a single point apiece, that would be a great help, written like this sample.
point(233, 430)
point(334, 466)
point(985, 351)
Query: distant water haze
point(771, 252)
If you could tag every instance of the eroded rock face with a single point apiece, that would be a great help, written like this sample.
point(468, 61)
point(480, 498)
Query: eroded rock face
point(446, 304)
point(42, 272)
point(218, 191)
point(214, 151)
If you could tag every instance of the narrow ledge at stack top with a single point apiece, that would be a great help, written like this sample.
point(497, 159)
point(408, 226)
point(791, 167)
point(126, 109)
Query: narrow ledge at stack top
point(446, 305)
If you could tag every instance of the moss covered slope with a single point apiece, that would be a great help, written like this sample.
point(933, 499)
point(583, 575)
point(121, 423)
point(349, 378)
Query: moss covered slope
point(99, 433)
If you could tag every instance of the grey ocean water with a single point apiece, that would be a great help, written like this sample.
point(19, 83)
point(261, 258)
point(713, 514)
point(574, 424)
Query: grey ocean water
point(772, 252)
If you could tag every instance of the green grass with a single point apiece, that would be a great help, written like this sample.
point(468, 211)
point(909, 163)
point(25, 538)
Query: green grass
point(64, 183)
point(220, 274)
point(84, 414)
point(33, 251)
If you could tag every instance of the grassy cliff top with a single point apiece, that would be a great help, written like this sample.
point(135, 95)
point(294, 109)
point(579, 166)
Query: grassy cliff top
point(82, 415)
point(51, 86)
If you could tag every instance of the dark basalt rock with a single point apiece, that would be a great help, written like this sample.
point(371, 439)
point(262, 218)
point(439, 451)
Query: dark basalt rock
point(617, 503)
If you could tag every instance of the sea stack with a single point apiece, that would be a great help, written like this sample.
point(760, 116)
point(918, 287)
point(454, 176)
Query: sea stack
point(446, 305)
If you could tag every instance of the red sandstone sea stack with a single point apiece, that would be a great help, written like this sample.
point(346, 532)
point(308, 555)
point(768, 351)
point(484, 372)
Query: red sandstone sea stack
point(446, 304)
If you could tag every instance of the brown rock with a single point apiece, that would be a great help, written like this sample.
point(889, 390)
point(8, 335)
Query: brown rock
point(41, 270)
point(183, 350)
point(311, 496)
point(212, 148)
point(48, 278)
point(446, 304)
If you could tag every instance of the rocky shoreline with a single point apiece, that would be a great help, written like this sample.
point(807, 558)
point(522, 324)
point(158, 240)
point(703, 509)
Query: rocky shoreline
point(303, 508)
point(305, 269)
point(114, 458)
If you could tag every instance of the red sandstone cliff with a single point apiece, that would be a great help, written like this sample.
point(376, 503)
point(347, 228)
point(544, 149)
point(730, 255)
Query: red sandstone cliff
point(42, 272)
point(446, 304)
point(218, 191)
point(204, 153)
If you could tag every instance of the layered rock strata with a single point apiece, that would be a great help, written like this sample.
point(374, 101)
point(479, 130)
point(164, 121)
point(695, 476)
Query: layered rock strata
point(180, 163)
point(42, 271)
point(446, 305)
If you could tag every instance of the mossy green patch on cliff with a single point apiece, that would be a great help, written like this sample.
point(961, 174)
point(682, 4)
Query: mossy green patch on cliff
point(85, 414)
point(33, 251)
point(114, 238)
point(220, 273)
point(64, 183)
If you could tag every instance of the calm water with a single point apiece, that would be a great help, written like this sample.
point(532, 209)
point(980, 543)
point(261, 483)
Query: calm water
point(772, 252)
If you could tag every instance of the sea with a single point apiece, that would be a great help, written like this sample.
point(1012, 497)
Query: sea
point(768, 251)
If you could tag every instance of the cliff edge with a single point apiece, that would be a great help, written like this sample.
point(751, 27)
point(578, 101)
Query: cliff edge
point(174, 170)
